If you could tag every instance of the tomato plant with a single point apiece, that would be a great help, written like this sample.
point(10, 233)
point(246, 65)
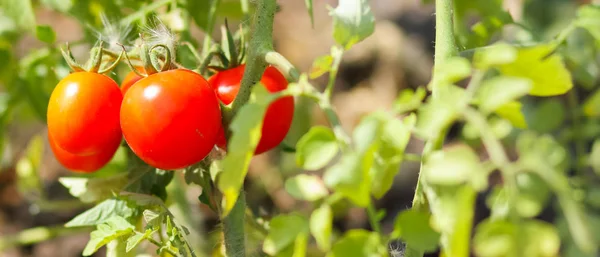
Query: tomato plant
point(278, 117)
point(171, 119)
point(485, 144)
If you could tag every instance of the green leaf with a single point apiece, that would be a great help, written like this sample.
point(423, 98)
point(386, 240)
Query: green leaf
point(545, 70)
point(494, 55)
point(440, 112)
point(495, 93)
point(453, 209)
point(388, 158)
point(321, 223)
point(496, 238)
point(352, 22)
point(150, 216)
point(451, 71)
point(591, 106)
point(102, 212)
point(45, 34)
point(21, 12)
point(350, 178)
point(492, 17)
point(512, 111)
point(588, 17)
point(153, 182)
point(453, 166)
point(594, 158)
point(94, 189)
point(316, 148)
point(199, 11)
point(409, 100)
point(547, 116)
point(306, 187)
point(414, 229)
point(137, 238)
point(321, 65)
point(113, 228)
point(29, 182)
point(357, 243)
point(246, 131)
point(284, 229)
point(533, 196)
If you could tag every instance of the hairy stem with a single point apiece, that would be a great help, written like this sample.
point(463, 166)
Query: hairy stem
point(445, 47)
point(233, 228)
point(261, 42)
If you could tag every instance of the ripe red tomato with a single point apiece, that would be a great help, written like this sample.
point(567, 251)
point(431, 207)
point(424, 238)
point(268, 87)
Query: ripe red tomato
point(83, 113)
point(82, 163)
point(171, 119)
point(130, 79)
point(278, 118)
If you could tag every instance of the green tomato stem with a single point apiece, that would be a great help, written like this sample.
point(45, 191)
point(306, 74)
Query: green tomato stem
point(233, 228)
point(445, 48)
point(283, 65)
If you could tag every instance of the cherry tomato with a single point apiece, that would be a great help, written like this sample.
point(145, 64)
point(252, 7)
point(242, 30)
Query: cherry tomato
point(278, 118)
point(82, 163)
point(130, 79)
point(171, 119)
point(83, 113)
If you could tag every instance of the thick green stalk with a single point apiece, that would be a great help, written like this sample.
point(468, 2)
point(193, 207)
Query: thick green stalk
point(445, 48)
point(261, 42)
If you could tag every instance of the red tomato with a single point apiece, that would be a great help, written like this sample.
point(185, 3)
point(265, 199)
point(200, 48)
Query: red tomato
point(82, 163)
point(83, 113)
point(130, 79)
point(171, 119)
point(278, 118)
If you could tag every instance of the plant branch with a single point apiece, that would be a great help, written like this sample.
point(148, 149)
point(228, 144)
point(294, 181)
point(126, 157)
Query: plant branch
point(233, 228)
point(445, 48)
point(283, 65)
point(372, 213)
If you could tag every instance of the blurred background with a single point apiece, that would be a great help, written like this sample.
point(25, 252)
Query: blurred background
point(398, 55)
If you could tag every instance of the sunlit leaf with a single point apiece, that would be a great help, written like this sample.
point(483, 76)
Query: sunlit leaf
point(320, 66)
point(352, 22)
point(283, 231)
point(412, 226)
point(357, 243)
point(453, 166)
point(496, 238)
point(102, 212)
point(497, 92)
point(494, 55)
point(306, 187)
point(547, 72)
point(512, 111)
point(94, 189)
point(321, 221)
point(350, 178)
point(113, 228)
point(316, 148)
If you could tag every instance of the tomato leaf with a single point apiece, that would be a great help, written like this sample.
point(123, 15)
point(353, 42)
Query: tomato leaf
point(137, 238)
point(94, 189)
point(29, 182)
point(21, 13)
point(512, 111)
point(306, 187)
point(316, 148)
point(502, 238)
point(548, 74)
point(246, 131)
point(102, 212)
point(352, 22)
point(350, 177)
point(45, 34)
point(451, 71)
point(588, 17)
point(284, 229)
point(414, 229)
point(113, 228)
point(498, 91)
point(547, 116)
point(454, 166)
point(321, 223)
point(320, 66)
point(357, 243)
point(591, 106)
point(494, 55)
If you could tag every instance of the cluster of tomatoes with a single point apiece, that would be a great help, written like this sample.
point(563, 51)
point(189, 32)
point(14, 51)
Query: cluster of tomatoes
point(169, 119)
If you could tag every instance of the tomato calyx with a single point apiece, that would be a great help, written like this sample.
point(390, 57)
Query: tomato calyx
point(153, 60)
point(94, 63)
point(231, 52)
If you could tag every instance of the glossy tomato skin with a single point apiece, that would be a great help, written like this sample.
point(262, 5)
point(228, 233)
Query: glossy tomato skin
point(83, 113)
point(278, 118)
point(171, 119)
point(82, 163)
point(130, 79)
